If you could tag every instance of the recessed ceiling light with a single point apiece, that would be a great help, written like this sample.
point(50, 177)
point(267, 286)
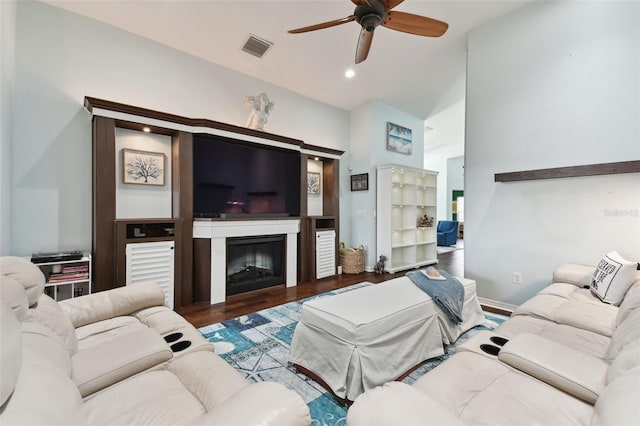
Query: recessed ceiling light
point(146, 129)
point(349, 73)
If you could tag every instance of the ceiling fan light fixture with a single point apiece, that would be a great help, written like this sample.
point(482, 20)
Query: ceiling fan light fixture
point(373, 13)
point(370, 22)
point(350, 73)
point(256, 46)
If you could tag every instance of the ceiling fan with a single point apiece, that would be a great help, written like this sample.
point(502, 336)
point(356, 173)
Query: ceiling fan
point(371, 13)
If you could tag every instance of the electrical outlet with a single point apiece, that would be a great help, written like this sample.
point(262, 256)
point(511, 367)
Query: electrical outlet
point(517, 278)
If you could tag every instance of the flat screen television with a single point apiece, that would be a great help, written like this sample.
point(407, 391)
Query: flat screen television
point(234, 179)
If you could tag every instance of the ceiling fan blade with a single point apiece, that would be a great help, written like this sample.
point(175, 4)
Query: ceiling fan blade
point(390, 4)
point(364, 44)
point(323, 25)
point(415, 24)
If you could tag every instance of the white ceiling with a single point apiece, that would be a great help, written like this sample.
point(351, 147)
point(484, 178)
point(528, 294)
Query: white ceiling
point(419, 75)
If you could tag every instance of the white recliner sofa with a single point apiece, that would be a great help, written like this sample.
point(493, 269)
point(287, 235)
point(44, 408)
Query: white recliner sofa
point(563, 358)
point(118, 357)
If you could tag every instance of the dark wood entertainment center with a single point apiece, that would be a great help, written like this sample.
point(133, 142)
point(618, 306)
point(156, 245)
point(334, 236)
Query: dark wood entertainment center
point(110, 233)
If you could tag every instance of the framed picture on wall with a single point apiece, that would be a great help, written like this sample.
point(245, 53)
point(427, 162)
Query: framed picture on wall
point(360, 182)
point(399, 139)
point(313, 183)
point(143, 167)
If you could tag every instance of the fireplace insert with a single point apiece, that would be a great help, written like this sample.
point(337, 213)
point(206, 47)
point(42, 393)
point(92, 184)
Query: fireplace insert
point(254, 263)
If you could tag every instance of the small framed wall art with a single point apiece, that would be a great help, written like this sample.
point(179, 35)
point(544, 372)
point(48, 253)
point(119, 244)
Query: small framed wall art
point(313, 183)
point(399, 139)
point(360, 182)
point(143, 167)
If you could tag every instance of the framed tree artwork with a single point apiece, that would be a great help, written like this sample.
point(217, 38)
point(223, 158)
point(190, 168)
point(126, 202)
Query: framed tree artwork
point(143, 167)
point(313, 183)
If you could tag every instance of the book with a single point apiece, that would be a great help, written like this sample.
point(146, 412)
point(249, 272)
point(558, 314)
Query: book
point(73, 269)
point(58, 278)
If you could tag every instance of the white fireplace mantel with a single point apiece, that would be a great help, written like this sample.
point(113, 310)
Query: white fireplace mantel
point(219, 231)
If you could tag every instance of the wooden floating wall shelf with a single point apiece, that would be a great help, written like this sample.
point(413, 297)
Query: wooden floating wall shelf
point(573, 171)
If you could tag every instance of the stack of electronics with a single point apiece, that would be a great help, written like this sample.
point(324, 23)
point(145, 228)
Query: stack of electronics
point(56, 256)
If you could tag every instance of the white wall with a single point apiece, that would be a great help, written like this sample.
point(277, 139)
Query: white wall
point(444, 139)
point(368, 150)
point(7, 76)
point(61, 58)
point(142, 201)
point(314, 202)
point(551, 84)
point(362, 203)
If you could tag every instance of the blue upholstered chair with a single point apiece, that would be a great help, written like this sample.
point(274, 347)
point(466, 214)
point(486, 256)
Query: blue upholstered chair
point(447, 232)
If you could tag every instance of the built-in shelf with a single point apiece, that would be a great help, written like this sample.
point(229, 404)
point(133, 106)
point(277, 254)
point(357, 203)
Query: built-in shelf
point(192, 277)
point(573, 171)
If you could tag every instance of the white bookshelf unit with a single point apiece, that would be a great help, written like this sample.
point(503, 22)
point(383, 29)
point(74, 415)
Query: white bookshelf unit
point(66, 279)
point(404, 196)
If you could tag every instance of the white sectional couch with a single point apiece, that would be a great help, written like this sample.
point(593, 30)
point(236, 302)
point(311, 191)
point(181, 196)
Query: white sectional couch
point(569, 359)
point(118, 357)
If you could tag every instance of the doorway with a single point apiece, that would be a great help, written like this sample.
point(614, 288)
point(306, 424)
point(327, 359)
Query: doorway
point(457, 210)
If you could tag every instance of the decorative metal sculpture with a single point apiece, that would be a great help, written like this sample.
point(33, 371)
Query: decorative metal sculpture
point(379, 267)
point(426, 221)
point(261, 107)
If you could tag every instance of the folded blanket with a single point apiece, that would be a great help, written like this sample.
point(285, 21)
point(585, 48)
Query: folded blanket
point(448, 294)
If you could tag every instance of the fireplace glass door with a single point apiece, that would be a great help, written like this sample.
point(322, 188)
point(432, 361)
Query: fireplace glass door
point(254, 263)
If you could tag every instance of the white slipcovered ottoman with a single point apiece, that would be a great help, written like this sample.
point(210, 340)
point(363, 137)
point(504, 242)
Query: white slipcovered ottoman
point(360, 339)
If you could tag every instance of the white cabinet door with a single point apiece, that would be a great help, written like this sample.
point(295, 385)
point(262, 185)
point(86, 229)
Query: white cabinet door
point(152, 262)
point(325, 253)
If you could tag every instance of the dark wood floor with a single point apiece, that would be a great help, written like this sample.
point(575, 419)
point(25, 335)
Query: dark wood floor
point(202, 314)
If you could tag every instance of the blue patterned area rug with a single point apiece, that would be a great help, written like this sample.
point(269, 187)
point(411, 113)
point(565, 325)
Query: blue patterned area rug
point(257, 345)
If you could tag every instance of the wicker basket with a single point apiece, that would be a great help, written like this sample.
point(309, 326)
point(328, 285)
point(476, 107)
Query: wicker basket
point(352, 262)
